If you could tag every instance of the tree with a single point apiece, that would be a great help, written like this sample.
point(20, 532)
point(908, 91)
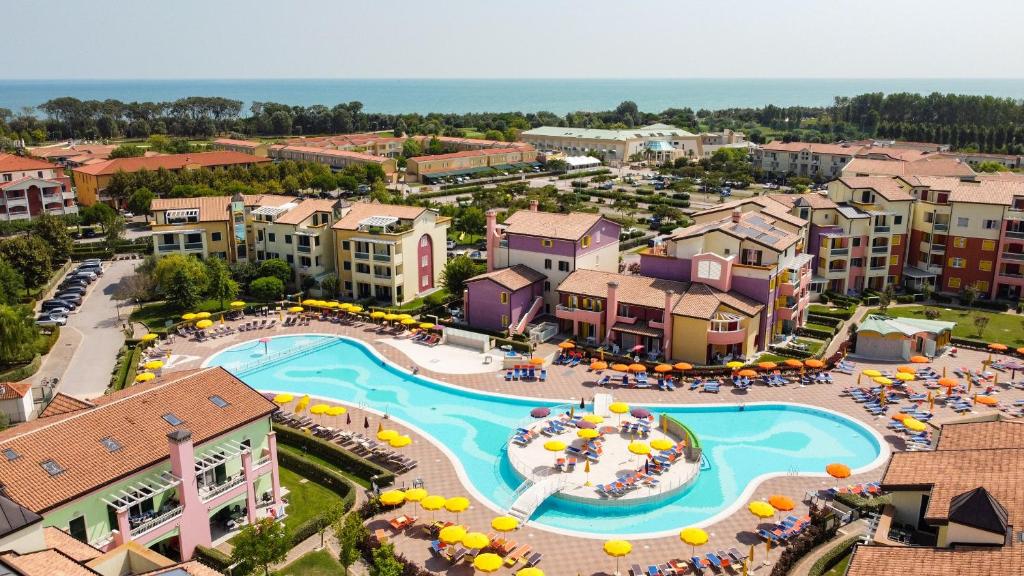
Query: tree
point(30, 257)
point(138, 287)
point(115, 231)
point(17, 336)
point(140, 201)
point(980, 322)
point(472, 220)
point(267, 288)
point(245, 272)
point(54, 233)
point(126, 151)
point(330, 287)
point(11, 283)
point(277, 268)
point(991, 166)
point(220, 285)
point(411, 148)
point(98, 213)
point(328, 518)
point(385, 563)
point(181, 292)
point(457, 271)
point(885, 298)
point(350, 533)
point(932, 313)
point(969, 295)
point(261, 543)
point(167, 268)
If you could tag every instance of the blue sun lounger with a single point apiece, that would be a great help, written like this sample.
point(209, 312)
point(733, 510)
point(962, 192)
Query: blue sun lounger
point(715, 562)
point(697, 563)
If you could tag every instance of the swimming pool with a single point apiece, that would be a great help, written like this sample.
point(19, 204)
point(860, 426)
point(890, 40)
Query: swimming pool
point(743, 444)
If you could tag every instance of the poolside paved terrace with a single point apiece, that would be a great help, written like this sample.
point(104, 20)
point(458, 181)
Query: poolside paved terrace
point(566, 554)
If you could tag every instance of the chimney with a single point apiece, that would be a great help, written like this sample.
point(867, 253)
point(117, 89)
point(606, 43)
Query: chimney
point(492, 238)
point(611, 310)
point(533, 205)
point(183, 466)
point(736, 214)
point(666, 320)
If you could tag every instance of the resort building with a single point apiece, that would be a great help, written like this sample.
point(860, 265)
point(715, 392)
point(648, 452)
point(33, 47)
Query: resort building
point(657, 142)
point(16, 401)
point(30, 187)
point(298, 232)
point(92, 180)
point(1008, 161)
point(250, 147)
point(656, 318)
point(711, 142)
point(881, 337)
point(909, 163)
point(961, 503)
point(388, 146)
point(388, 253)
point(336, 159)
point(71, 155)
point(468, 162)
point(173, 464)
point(823, 161)
point(753, 248)
point(454, 144)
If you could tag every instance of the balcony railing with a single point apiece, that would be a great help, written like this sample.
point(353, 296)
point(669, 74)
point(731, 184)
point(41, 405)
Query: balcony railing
point(383, 277)
point(839, 251)
point(1015, 234)
point(210, 493)
point(938, 249)
point(305, 248)
point(157, 521)
point(193, 245)
point(879, 249)
point(382, 257)
point(167, 247)
point(882, 229)
point(261, 462)
point(940, 226)
point(1011, 274)
point(362, 255)
point(1016, 256)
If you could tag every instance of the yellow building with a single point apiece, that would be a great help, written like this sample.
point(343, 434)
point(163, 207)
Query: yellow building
point(468, 162)
point(336, 159)
point(389, 253)
point(250, 147)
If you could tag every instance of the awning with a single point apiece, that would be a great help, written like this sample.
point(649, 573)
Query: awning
point(179, 214)
point(637, 329)
point(917, 273)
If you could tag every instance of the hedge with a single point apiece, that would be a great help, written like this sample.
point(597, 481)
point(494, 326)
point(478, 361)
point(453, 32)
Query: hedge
point(632, 243)
point(571, 175)
point(323, 476)
point(24, 371)
point(994, 305)
point(815, 333)
point(862, 504)
point(833, 556)
point(968, 343)
point(833, 321)
point(126, 368)
point(216, 559)
point(842, 313)
point(47, 341)
point(343, 459)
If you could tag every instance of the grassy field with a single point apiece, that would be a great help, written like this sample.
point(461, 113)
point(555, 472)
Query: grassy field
point(840, 568)
point(319, 563)
point(155, 315)
point(312, 457)
point(306, 498)
point(1004, 328)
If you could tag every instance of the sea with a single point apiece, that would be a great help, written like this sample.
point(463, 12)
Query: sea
point(499, 95)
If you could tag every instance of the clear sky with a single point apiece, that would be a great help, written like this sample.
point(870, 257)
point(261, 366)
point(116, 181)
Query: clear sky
point(511, 38)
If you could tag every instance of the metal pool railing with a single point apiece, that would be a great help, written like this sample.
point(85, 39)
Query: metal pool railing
point(282, 355)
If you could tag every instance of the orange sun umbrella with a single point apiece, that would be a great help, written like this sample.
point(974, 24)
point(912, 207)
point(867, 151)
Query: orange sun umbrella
point(948, 383)
point(838, 470)
point(997, 347)
point(907, 369)
point(663, 368)
point(620, 367)
point(599, 365)
point(1020, 350)
point(919, 359)
point(900, 417)
point(780, 502)
point(747, 373)
point(793, 363)
point(637, 368)
point(986, 400)
point(682, 366)
point(767, 365)
point(566, 345)
point(814, 363)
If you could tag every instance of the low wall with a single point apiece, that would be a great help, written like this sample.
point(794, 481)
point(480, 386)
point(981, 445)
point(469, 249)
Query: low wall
point(467, 339)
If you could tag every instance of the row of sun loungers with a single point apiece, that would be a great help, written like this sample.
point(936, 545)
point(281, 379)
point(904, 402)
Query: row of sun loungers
point(728, 560)
point(354, 442)
point(512, 552)
point(296, 321)
point(257, 325)
point(526, 373)
point(789, 527)
point(427, 339)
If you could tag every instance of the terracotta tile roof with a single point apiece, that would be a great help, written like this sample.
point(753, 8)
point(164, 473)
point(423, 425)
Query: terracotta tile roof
point(815, 200)
point(360, 211)
point(982, 435)
point(75, 549)
point(171, 162)
point(885, 186)
point(926, 166)
point(983, 190)
point(215, 208)
point(76, 151)
point(514, 277)
point(920, 561)
point(12, 390)
point(305, 209)
point(331, 152)
point(467, 154)
point(773, 205)
point(134, 418)
point(569, 226)
point(888, 152)
point(191, 568)
point(760, 227)
point(62, 404)
point(702, 301)
point(238, 143)
point(45, 563)
point(813, 147)
point(636, 290)
point(15, 163)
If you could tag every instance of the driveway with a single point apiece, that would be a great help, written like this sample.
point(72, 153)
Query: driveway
point(84, 356)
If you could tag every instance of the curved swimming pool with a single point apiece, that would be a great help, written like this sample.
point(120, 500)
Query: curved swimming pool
point(743, 444)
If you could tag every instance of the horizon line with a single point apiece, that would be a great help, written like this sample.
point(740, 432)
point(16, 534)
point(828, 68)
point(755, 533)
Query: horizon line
point(520, 78)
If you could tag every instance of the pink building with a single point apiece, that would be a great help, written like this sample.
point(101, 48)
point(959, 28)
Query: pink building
point(30, 187)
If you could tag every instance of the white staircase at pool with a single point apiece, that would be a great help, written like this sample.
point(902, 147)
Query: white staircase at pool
point(534, 494)
point(601, 404)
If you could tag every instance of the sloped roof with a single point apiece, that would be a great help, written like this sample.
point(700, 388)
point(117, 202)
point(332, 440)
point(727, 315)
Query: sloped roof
point(46, 562)
point(885, 186)
point(568, 226)
point(978, 509)
point(12, 390)
point(757, 226)
point(885, 325)
point(305, 209)
point(922, 561)
point(14, 517)
point(360, 211)
point(62, 404)
point(702, 301)
point(813, 147)
point(636, 290)
point(171, 162)
point(14, 163)
point(514, 277)
point(982, 435)
point(215, 208)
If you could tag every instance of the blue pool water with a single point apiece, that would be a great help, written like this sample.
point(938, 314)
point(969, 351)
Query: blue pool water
point(741, 445)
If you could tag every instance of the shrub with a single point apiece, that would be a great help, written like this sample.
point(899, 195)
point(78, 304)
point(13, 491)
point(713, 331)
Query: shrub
point(824, 320)
point(994, 305)
point(216, 559)
point(23, 371)
point(819, 332)
point(833, 556)
point(862, 504)
point(941, 298)
point(267, 288)
point(907, 298)
point(343, 459)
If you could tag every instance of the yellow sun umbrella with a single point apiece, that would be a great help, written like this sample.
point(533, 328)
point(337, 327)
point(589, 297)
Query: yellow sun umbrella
point(355, 309)
point(150, 337)
point(914, 425)
point(618, 407)
point(295, 309)
point(238, 304)
point(404, 316)
point(904, 376)
point(617, 549)
point(391, 317)
point(333, 304)
point(392, 498)
point(145, 377)
point(587, 433)
point(735, 365)
point(554, 445)
point(336, 410)
point(319, 409)
point(203, 324)
point(505, 523)
point(872, 373)
point(426, 325)
point(639, 448)
point(593, 419)
point(284, 398)
point(310, 302)
point(188, 317)
point(662, 444)
point(202, 315)
point(761, 509)
point(882, 380)
point(530, 571)
point(387, 435)
point(153, 365)
point(432, 502)
point(378, 315)
point(415, 494)
point(488, 562)
point(400, 442)
point(408, 321)
point(456, 504)
point(302, 403)
point(344, 306)
point(694, 537)
point(452, 534)
point(476, 541)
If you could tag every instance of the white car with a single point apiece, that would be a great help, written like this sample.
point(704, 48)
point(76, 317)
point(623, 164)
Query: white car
point(51, 320)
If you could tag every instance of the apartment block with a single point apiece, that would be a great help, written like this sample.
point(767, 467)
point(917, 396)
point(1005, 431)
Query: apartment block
point(657, 142)
point(468, 162)
point(250, 147)
point(31, 187)
point(806, 159)
point(336, 159)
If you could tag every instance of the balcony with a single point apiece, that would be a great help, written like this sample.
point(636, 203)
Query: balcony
point(882, 229)
point(940, 226)
point(209, 493)
point(382, 257)
point(156, 522)
point(304, 248)
point(362, 255)
point(387, 277)
point(787, 289)
point(937, 249)
point(839, 252)
point(1015, 256)
point(193, 246)
point(564, 312)
point(1018, 234)
point(168, 247)
point(879, 249)
point(723, 337)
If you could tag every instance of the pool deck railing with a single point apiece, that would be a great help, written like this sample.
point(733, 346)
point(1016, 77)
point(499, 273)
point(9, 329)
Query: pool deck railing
point(282, 355)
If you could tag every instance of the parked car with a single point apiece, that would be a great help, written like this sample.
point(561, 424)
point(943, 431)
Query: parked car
point(85, 275)
point(71, 297)
point(56, 311)
point(94, 268)
point(451, 244)
point(73, 283)
point(93, 261)
point(57, 303)
point(51, 320)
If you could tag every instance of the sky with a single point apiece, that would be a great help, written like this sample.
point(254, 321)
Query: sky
point(151, 39)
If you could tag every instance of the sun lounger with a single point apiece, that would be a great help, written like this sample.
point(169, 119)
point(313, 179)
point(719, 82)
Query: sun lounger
point(735, 556)
point(697, 563)
point(519, 554)
point(534, 559)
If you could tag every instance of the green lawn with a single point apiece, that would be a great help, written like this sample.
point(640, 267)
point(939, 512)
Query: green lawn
point(318, 563)
point(305, 499)
point(1005, 328)
point(155, 315)
point(312, 457)
point(840, 568)
point(813, 346)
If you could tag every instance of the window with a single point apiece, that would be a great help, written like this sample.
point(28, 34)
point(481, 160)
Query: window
point(547, 286)
point(953, 283)
point(855, 242)
point(546, 242)
point(894, 260)
point(305, 261)
point(173, 420)
point(424, 261)
point(504, 319)
point(10, 454)
point(956, 262)
point(344, 245)
point(709, 270)
point(547, 263)
point(897, 220)
point(563, 266)
point(424, 242)
point(962, 222)
point(346, 265)
point(271, 236)
point(990, 224)
point(51, 467)
point(856, 262)
point(985, 265)
point(585, 243)
point(215, 237)
point(290, 259)
point(287, 238)
point(959, 242)
point(259, 235)
point(219, 402)
point(988, 245)
point(504, 297)
point(110, 444)
point(981, 285)
point(896, 240)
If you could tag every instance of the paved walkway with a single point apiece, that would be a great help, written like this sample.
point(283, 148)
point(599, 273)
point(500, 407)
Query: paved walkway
point(858, 528)
point(565, 554)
